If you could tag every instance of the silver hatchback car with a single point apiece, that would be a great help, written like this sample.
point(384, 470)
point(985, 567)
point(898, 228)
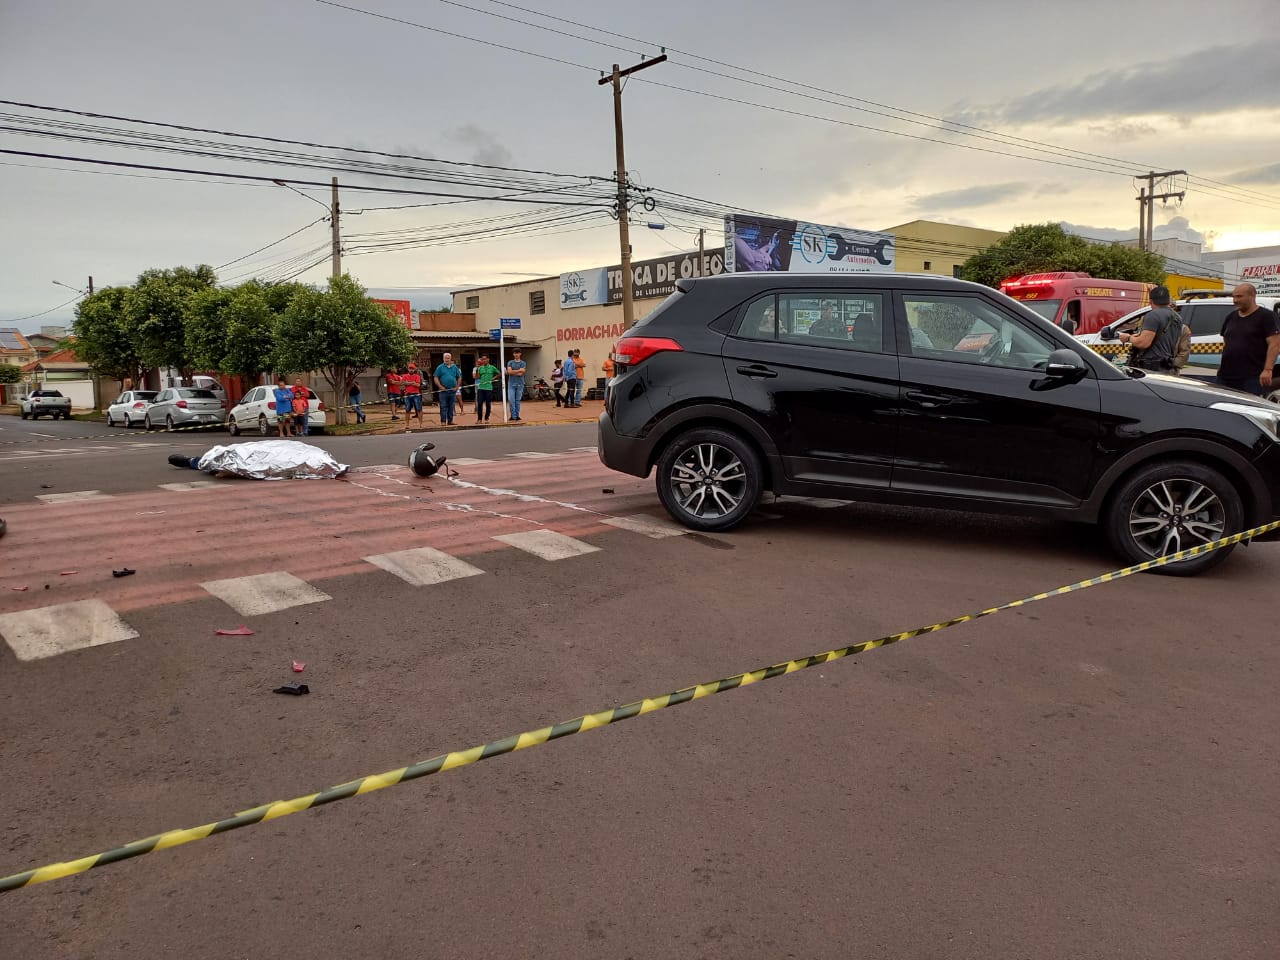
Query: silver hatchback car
point(184, 407)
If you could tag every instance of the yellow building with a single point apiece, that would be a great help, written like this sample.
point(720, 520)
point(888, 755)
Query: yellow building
point(925, 246)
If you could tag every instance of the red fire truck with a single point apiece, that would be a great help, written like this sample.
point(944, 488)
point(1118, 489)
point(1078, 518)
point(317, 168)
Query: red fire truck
point(1077, 302)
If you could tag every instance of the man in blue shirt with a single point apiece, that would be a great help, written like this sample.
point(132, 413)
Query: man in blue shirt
point(570, 369)
point(447, 377)
point(284, 407)
point(515, 383)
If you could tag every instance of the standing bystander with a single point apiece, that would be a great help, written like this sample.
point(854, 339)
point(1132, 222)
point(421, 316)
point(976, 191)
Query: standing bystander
point(393, 391)
point(411, 385)
point(485, 374)
point(447, 376)
point(354, 397)
point(1250, 344)
point(515, 382)
point(557, 382)
point(301, 408)
point(283, 407)
point(570, 378)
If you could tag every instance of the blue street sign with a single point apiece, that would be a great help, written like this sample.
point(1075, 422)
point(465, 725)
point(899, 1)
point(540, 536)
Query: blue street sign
point(495, 334)
point(510, 323)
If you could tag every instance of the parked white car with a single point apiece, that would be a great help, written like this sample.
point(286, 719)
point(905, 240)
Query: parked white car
point(130, 407)
point(257, 410)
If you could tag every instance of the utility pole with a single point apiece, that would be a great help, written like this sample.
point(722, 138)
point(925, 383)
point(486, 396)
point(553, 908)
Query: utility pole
point(91, 286)
point(624, 235)
point(337, 235)
point(702, 252)
point(1147, 199)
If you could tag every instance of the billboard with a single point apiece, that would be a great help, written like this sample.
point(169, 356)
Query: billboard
point(649, 278)
point(402, 309)
point(584, 288)
point(757, 244)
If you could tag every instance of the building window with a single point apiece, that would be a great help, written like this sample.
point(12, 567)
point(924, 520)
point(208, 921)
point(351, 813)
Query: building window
point(473, 303)
point(928, 264)
point(955, 270)
point(537, 302)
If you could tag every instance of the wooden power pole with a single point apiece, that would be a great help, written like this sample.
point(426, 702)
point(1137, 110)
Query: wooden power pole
point(620, 175)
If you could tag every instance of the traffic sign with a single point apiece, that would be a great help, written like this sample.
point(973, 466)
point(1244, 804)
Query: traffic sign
point(510, 323)
point(495, 333)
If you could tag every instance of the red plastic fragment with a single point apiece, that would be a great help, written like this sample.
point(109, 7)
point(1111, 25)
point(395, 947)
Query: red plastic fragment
point(240, 631)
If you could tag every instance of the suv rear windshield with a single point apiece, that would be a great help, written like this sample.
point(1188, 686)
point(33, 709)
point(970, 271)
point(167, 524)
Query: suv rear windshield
point(191, 394)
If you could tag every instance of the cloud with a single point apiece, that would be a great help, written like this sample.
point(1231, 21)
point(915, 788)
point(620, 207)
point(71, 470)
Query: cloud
point(485, 147)
point(1177, 228)
point(1238, 77)
point(1123, 130)
point(1269, 174)
point(979, 196)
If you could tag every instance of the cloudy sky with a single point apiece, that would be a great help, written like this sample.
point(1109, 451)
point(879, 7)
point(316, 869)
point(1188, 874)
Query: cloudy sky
point(1086, 101)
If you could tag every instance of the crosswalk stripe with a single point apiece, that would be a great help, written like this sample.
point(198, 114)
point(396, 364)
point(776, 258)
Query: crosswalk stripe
point(61, 628)
point(467, 461)
point(73, 496)
point(424, 567)
point(547, 544)
point(195, 485)
point(534, 455)
point(583, 450)
point(647, 525)
point(264, 593)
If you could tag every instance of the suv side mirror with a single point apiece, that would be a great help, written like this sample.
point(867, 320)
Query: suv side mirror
point(1063, 366)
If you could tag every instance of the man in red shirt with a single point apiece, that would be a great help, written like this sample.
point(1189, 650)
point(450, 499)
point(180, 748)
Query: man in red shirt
point(411, 384)
point(393, 392)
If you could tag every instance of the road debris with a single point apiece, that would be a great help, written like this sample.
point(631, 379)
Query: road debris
point(240, 631)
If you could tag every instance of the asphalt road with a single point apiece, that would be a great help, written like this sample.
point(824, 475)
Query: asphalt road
point(1093, 776)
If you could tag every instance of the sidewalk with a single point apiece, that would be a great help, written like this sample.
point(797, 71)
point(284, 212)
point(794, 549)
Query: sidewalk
point(533, 413)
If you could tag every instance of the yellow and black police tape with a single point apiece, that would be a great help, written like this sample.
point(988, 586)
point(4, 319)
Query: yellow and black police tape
point(566, 728)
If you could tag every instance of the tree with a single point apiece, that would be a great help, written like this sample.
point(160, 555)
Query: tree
point(9, 373)
point(104, 336)
point(339, 332)
point(250, 332)
point(204, 324)
point(1047, 248)
point(156, 310)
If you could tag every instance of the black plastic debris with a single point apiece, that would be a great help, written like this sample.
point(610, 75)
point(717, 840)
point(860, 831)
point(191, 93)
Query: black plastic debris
point(124, 572)
point(293, 689)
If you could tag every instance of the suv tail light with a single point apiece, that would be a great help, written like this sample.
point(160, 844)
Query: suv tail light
point(630, 351)
point(182, 404)
point(321, 406)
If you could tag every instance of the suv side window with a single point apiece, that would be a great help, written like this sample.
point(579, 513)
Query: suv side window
point(845, 320)
point(760, 321)
point(1206, 318)
point(963, 329)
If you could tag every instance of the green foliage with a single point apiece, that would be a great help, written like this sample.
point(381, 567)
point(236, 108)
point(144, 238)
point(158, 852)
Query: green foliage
point(156, 309)
point(340, 332)
point(1047, 248)
point(10, 373)
point(250, 331)
point(204, 325)
point(104, 337)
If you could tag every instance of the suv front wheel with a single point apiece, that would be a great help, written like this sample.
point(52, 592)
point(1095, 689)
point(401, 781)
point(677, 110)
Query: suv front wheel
point(1174, 506)
point(709, 479)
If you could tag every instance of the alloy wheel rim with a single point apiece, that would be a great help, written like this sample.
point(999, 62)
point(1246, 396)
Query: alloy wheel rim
point(1176, 514)
point(708, 481)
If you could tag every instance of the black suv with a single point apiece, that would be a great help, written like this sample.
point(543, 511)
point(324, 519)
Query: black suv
point(929, 391)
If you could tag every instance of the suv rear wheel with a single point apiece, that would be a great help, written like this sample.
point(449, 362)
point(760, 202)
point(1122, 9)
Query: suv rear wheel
point(1173, 506)
point(709, 479)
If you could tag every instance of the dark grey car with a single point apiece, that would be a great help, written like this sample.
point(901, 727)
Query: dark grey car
point(184, 407)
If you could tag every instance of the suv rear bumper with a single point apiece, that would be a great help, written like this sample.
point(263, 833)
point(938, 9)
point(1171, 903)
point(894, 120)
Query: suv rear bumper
point(628, 455)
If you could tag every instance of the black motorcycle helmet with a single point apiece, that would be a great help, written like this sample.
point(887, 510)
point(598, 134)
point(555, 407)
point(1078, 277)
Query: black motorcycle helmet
point(422, 464)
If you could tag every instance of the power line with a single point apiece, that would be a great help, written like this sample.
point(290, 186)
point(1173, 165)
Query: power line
point(272, 243)
point(32, 316)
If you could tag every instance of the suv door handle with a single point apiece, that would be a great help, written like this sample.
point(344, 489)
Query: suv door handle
point(757, 371)
point(927, 399)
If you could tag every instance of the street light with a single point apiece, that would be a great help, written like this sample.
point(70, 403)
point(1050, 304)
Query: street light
point(59, 283)
point(281, 183)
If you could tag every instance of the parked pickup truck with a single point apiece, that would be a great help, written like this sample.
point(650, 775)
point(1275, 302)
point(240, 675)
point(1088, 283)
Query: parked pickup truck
point(40, 402)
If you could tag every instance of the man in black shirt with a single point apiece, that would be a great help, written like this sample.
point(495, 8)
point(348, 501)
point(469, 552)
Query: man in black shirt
point(1152, 347)
point(1250, 344)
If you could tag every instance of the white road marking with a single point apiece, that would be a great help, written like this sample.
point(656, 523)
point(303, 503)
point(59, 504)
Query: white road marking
point(583, 450)
point(424, 567)
point(194, 485)
point(533, 455)
point(74, 496)
point(547, 544)
point(48, 631)
point(467, 461)
point(264, 593)
point(649, 526)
